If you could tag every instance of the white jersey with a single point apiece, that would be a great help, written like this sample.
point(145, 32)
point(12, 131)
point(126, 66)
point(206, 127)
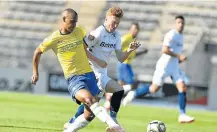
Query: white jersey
point(103, 45)
point(174, 40)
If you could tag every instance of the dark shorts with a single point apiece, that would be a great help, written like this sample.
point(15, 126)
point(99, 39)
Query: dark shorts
point(84, 81)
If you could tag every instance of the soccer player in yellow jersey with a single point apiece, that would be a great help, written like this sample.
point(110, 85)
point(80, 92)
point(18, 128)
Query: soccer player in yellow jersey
point(68, 45)
point(125, 73)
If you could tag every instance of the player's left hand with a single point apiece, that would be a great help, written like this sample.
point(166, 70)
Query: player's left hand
point(34, 79)
point(133, 45)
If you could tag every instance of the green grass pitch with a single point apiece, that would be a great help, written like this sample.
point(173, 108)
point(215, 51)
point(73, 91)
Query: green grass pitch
point(35, 113)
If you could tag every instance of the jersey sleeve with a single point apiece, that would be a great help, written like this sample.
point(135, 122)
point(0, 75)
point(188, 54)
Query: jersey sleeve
point(168, 39)
point(46, 44)
point(93, 38)
point(118, 42)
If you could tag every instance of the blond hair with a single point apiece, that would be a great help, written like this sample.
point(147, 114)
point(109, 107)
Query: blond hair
point(115, 11)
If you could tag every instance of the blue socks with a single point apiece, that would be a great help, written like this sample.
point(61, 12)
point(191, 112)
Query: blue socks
point(79, 112)
point(142, 89)
point(182, 102)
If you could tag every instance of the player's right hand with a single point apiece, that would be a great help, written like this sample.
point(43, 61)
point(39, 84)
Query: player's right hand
point(34, 79)
point(133, 45)
point(182, 58)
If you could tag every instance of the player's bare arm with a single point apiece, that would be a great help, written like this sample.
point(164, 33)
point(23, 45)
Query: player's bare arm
point(122, 56)
point(36, 60)
point(167, 51)
point(99, 62)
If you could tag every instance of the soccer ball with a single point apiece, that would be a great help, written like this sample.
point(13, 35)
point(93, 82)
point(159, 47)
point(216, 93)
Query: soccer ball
point(156, 126)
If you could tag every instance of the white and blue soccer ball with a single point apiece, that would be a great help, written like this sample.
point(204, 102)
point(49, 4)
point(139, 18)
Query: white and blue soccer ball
point(156, 126)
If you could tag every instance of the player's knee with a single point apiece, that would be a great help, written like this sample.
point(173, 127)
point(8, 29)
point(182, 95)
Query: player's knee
point(89, 101)
point(181, 87)
point(154, 89)
point(121, 83)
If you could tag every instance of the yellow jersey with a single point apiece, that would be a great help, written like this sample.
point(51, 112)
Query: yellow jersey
point(70, 51)
point(125, 42)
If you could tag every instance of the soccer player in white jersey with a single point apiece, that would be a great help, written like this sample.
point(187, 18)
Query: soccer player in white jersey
point(101, 43)
point(168, 66)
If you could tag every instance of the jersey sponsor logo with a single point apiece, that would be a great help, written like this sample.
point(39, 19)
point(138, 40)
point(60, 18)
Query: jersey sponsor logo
point(69, 47)
point(107, 45)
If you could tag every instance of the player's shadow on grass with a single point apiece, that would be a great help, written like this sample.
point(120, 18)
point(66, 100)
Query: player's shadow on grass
point(35, 128)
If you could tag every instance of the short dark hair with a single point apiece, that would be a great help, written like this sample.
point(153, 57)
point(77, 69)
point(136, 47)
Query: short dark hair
point(136, 24)
point(72, 12)
point(180, 17)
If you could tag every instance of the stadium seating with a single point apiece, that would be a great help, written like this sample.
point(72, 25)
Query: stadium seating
point(24, 24)
point(156, 19)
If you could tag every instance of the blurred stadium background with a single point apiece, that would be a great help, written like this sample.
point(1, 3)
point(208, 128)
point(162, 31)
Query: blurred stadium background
point(24, 25)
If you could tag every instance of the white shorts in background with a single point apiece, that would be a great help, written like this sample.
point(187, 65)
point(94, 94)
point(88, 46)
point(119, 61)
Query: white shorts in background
point(160, 74)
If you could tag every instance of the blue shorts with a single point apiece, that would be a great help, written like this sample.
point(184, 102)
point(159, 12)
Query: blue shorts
point(84, 81)
point(125, 73)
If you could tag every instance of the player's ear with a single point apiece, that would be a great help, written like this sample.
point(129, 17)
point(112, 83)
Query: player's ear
point(64, 19)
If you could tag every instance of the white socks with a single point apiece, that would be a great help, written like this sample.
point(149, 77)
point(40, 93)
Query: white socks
point(98, 111)
point(126, 88)
point(102, 114)
point(79, 123)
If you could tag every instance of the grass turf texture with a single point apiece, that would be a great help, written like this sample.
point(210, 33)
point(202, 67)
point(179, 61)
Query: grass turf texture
point(33, 113)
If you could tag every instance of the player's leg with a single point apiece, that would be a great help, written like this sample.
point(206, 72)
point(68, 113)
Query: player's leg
point(123, 73)
point(82, 92)
point(107, 103)
point(79, 112)
point(118, 92)
point(179, 79)
point(81, 121)
point(140, 91)
point(157, 81)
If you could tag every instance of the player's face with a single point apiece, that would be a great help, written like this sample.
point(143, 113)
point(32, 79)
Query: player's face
point(70, 23)
point(112, 23)
point(180, 25)
point(134, 30)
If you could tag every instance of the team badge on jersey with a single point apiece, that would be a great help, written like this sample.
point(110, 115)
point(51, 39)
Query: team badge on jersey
point(91, 37)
